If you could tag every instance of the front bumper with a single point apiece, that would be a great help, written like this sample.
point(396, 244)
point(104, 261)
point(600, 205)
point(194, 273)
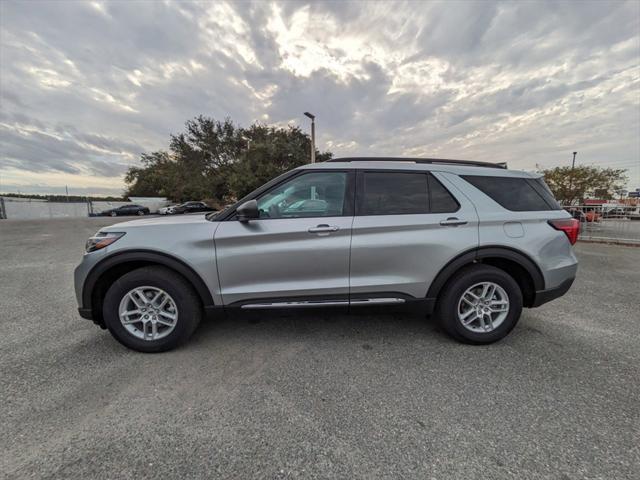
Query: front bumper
point(89, 260)
point(544, 296)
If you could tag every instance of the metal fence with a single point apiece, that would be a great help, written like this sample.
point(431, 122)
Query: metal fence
point(606, 223)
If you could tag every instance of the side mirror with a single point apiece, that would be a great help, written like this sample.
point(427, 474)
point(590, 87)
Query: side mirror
point(248, 211)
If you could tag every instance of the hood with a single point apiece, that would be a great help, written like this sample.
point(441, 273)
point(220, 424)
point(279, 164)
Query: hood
point(157, 221)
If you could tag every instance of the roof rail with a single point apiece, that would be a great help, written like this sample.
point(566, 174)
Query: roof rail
point(440, 161)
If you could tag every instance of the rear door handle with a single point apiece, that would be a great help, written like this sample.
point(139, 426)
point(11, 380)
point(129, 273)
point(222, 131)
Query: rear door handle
point(452, 222)
point(323, 228)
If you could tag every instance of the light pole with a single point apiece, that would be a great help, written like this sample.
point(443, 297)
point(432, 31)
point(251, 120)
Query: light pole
point(313, 135)
point(573, 165)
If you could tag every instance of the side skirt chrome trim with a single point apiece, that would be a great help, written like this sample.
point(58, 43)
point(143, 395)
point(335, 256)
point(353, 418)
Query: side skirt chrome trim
point(303, 304)
point(325, 303)
point(377, 301)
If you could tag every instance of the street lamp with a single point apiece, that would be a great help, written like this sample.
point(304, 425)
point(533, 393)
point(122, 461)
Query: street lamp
point(573, 165)
point(313, 135)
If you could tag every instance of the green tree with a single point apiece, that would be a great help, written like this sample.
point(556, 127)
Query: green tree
point(219, 161)
point(573, 185)
point(153, 178)
point(269, 152)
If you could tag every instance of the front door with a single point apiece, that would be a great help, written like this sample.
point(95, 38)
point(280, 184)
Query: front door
point(297, 252)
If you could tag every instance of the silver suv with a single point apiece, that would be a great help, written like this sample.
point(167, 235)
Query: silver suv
point(471, 242)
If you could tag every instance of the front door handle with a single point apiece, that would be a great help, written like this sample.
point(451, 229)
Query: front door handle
point(323, 228)
point(452, 222)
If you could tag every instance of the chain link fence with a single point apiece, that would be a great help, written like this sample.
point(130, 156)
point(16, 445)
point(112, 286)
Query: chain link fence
point(606, 223)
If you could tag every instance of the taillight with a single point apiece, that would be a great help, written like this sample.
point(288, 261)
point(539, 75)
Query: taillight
point(570, 226)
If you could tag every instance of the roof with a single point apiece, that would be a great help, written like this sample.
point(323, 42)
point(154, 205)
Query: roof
point(459, 167)
point(439, 161)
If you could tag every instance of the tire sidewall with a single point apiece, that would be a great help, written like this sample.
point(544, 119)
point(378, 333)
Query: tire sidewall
point(449, 304)
point(188, 310)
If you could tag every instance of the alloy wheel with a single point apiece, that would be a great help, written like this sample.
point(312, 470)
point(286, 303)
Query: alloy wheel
point(483, 307)
point(148, 313)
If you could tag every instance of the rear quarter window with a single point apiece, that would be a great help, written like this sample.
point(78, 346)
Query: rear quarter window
point(515, 194)
point(441, 201)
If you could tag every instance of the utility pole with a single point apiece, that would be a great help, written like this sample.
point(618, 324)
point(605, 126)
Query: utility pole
point(66, 187)
point(313, 135)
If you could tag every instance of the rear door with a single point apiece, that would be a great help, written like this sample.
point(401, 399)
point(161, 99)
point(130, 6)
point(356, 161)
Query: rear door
point(408, 226)
point(297, 251)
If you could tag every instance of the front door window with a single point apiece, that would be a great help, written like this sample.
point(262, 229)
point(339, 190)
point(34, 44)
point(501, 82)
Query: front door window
point(317, 194)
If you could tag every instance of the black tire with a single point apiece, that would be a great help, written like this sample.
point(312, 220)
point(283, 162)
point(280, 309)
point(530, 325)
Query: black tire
point(140, 212)
point(185, 298)
point(447, 307)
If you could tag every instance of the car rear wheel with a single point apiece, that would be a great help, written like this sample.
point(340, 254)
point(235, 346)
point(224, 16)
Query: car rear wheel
point(140, 212)
point(151, 309)
point(480, 304)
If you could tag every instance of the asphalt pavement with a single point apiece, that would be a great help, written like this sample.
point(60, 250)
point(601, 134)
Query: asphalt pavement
point(315, 395)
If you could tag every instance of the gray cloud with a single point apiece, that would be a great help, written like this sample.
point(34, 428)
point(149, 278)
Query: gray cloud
point(86, 87)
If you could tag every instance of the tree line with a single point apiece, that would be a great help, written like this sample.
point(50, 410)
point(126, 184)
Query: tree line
point(219, 162)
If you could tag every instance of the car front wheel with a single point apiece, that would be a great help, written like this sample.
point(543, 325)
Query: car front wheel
point(113, 214)
point(151, 309)
point(480, 304)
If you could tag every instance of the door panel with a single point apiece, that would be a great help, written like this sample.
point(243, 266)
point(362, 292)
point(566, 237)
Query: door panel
point(299, 247)
point(276, 258)
point(403, 253)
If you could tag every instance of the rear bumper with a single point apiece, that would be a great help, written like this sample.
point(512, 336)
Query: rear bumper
point(544, 296)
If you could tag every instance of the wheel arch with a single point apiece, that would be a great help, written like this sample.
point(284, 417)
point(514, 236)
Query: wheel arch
point(109, 269)
point(516, 263)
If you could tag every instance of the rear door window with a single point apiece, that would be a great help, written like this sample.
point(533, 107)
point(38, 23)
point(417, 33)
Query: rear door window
point(394, 193)
point(515, 194)
point(402, 193)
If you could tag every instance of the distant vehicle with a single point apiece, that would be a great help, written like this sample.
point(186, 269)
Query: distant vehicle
point(126, 210)
point(617, 212)
point(633, 214)
point(469, 242)
point(192, 207)
point(167, 210)
point(577, 214)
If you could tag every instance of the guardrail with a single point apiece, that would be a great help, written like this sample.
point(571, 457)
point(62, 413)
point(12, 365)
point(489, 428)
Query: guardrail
point(607, 223)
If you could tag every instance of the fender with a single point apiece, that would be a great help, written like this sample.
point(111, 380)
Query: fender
point(477, 254)
point(146, 256)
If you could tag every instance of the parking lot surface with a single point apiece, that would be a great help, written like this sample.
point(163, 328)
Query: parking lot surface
point(315, 395)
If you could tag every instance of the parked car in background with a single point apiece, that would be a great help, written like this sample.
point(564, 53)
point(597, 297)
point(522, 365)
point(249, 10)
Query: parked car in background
point(616, 212)
point(470, 242)
point(577, 214)
point(633, 214)
point(192, 207)
point(168, 210)
point(126, 210)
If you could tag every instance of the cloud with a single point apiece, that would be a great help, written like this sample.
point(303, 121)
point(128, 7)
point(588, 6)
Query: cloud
point(86, 87)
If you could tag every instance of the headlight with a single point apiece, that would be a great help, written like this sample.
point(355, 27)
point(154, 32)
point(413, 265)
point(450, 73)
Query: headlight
point(101, 240)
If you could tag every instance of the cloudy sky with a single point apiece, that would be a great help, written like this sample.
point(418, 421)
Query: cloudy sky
point(87, 86)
